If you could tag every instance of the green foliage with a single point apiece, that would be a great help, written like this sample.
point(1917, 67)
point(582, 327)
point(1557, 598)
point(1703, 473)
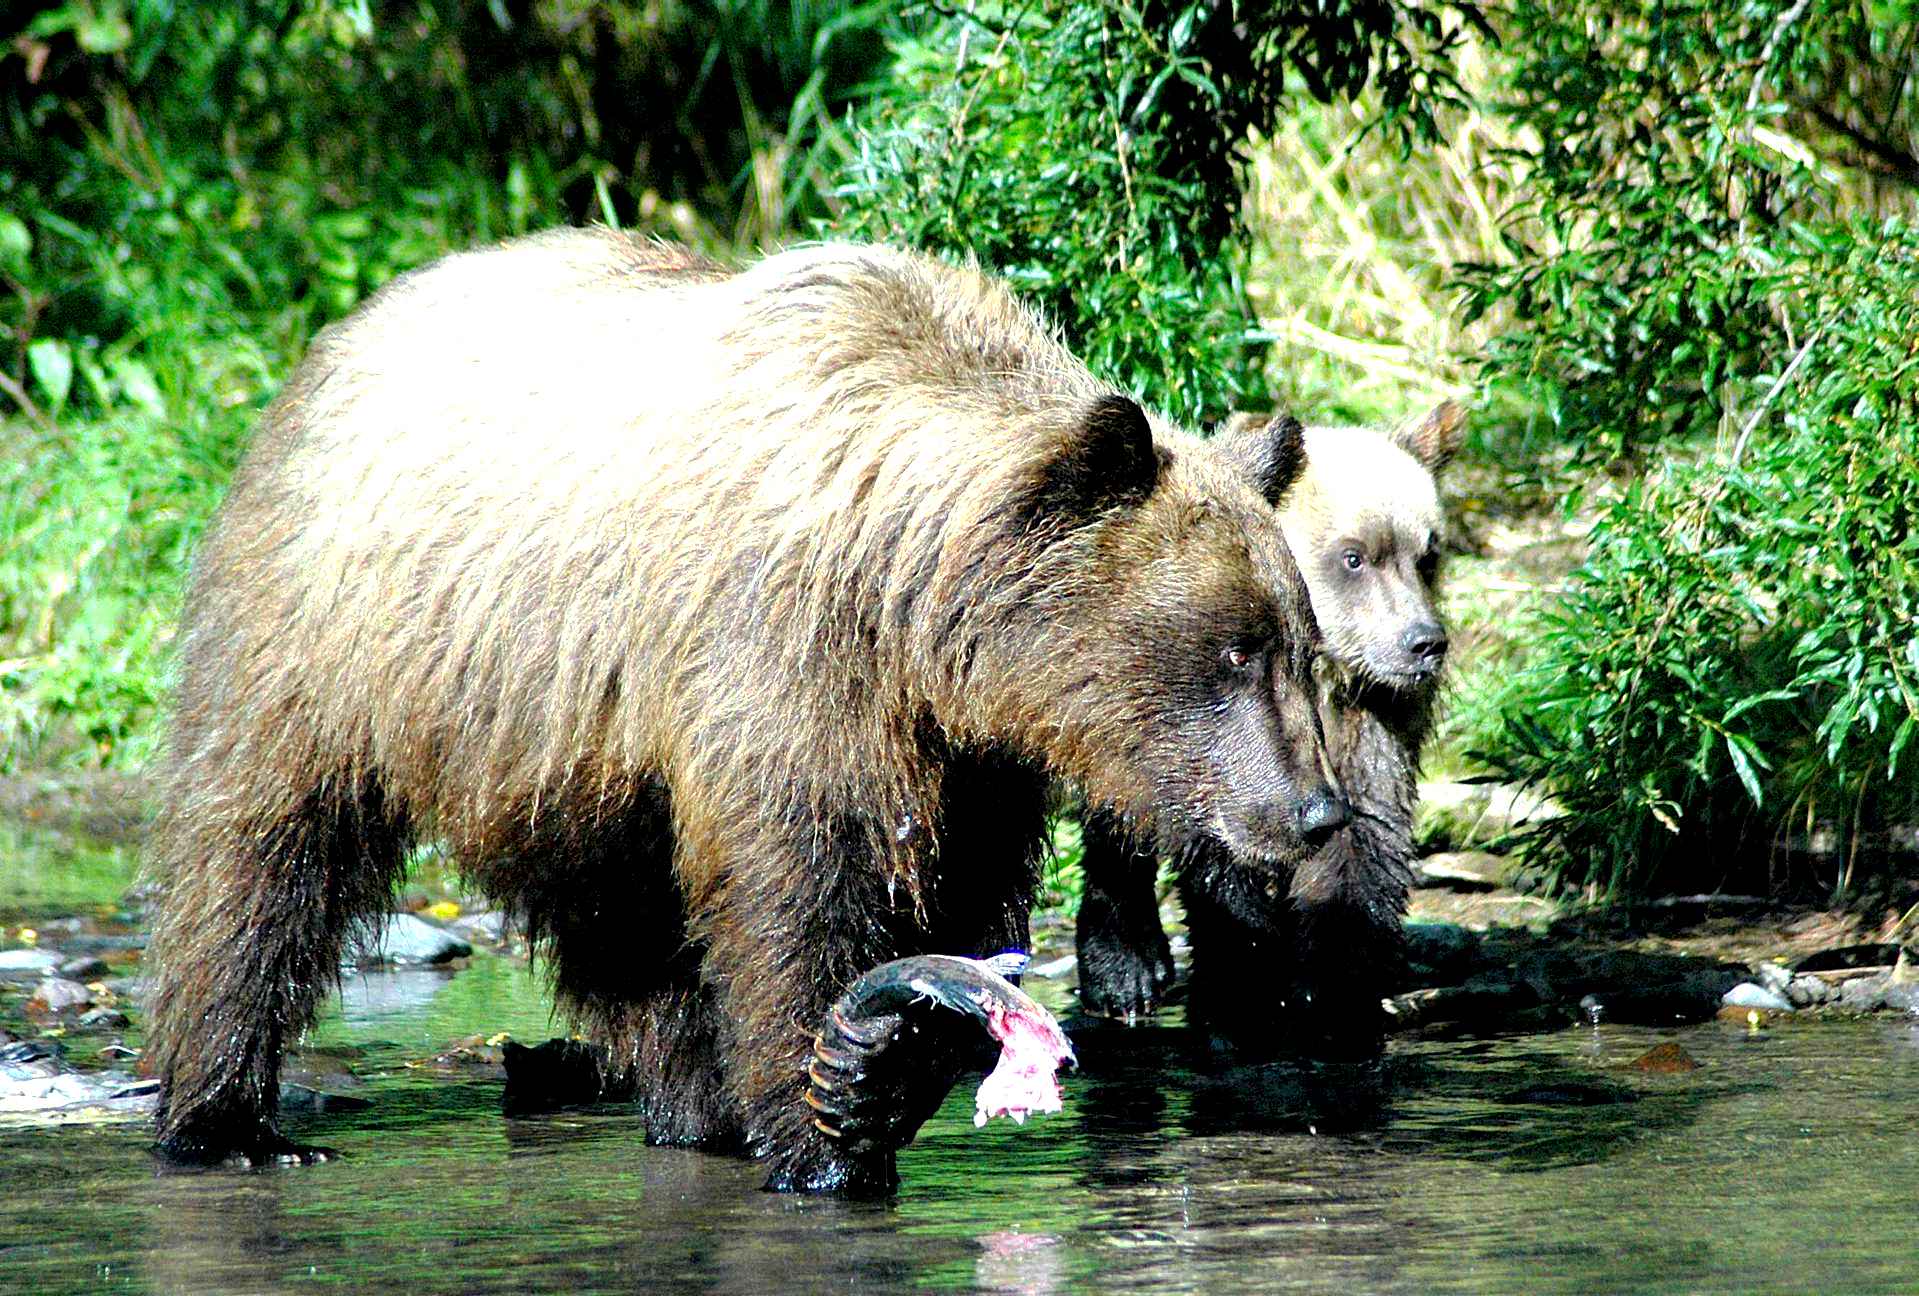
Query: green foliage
point(1089, 152)
point(1673, 146)
point(1739, 652)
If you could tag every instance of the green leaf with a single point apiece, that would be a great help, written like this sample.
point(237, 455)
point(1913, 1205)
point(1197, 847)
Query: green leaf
point(16, 242)
point(51, 362)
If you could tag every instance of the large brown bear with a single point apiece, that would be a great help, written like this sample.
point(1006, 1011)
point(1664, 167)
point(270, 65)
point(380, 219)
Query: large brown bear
point(728, 628)
point(1323, 939)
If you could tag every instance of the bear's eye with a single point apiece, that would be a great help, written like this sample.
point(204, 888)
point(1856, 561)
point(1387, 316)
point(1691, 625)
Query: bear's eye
point(1240, 656)
point(1428, 564)
point(1353, 559)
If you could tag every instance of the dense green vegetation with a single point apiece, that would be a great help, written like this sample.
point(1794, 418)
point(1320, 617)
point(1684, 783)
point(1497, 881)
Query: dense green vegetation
point(1091, 154)
point(1713, 281)
point(1674, 248)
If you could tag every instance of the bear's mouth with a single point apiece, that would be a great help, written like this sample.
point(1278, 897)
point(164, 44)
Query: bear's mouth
point(1403, 676)
point(1270, 853)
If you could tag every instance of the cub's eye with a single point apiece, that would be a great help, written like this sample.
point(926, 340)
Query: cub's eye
point(1239, 657)
point(1428, 564)
point(1353, 559)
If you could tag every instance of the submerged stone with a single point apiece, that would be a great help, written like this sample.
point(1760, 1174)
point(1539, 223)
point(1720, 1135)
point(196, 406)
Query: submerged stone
point(406, 940)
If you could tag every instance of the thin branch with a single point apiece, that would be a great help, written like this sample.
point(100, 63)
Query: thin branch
point(1897, 162)
point(19, 396)
point(1779, 29)
point(1772, 393)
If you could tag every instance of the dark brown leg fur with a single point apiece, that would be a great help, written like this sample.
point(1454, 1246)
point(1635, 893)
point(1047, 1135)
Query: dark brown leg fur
point(249, 939)
point(977, 903)
point(601, 904)
point(1125, 962)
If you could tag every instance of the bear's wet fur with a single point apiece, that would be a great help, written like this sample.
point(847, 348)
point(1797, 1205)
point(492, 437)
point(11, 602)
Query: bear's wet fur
point(1298, 959)
point(727, 628)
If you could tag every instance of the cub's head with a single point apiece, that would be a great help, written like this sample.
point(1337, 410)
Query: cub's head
point(1185, 638)
point(1364, 522)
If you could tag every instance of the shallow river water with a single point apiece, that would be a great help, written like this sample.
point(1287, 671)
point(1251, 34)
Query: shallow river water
point(1788, 1162)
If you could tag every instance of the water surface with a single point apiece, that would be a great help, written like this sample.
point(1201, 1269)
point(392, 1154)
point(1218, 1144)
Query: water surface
point(1541, 1164)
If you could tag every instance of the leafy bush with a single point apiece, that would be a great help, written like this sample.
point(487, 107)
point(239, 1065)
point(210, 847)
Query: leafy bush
point(1698, 261)
point(1091, 153)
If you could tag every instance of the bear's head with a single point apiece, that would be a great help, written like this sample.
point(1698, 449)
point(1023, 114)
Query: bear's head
point(1184, 693)
point(1363, 521)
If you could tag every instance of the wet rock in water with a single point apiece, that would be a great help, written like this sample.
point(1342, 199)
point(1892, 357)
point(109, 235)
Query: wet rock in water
point(558, 1073)
point(57, 995)
point(1749, 995)
point(1809, 992)
point(88, 968)
point(1483, 1003)
point(1903, 998)
point(1864, 994)
point(1754, 1018)
point(1439, 952)
point(484, 928)
point(478, 1053)
point(45, 1086)
point(1665, 1059)
point(1572, 1094)
point(29, 1051)
point(28, 964)
point(1058, 967)
point(302, 1100)
point(406, 940)
point(1670, 1005)
point(104, 1019)
point(1800, 991)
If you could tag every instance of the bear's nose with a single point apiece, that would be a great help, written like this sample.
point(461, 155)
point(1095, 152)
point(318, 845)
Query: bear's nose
point(1323, 813)
point(1426, 641)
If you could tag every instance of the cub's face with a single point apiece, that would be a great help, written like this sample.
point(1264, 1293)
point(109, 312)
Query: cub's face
point(1364, 522)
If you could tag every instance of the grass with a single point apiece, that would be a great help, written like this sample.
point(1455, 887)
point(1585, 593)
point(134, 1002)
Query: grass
point(1353, 244)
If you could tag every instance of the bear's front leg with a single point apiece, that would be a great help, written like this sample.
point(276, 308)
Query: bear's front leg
point(1125, 961)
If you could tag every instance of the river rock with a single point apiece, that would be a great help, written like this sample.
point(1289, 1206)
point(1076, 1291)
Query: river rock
point(45, 1087)
point(1865, 994)
point(88, 968)
point(104, 1019)
point(1439, 953)
point(304, 1100)
point(91, 943)
point(1669, 1058)
point(407, 940)
point(485, 927)
point(28, 964)
point(1748, 995)
point(59, 995)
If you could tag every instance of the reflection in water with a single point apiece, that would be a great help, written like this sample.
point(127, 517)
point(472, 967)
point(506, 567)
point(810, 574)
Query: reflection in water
point(1466, 1167)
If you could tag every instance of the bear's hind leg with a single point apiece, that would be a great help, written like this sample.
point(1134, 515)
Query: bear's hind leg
point(248, 939)
point(601, 905)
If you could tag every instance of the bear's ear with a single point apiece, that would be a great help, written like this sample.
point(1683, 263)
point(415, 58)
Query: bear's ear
point(1435, 436)
point(1269, 453)
point(1106, 458)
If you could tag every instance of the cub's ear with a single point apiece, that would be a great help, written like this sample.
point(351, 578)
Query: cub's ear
point(1106, 458)
point(1269, 453)
point(1240, 421)
point(1434, 437)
